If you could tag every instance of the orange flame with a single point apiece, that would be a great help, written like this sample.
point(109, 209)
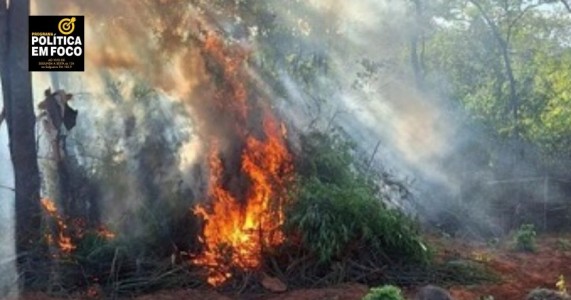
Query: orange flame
point(66, 235)
point(106, 233)
point(49, 206)
point(64, 241)
point(236, 231)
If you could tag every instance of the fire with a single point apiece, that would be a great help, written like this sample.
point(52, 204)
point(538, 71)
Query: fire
point(66, 235)
point(64, 241)
point(236, 232)
point(106, 233)
point(49, 206)
point(237, 228)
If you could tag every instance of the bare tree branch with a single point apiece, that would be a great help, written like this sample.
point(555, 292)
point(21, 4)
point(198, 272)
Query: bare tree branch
point(2, 116)
point(566, 4)
point(7, 188)
point(517, 18)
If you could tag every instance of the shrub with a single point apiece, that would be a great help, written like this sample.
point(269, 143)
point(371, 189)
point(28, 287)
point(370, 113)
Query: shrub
point(387, 292)
point(463, 272)
point(338, 210)
point(525, 238)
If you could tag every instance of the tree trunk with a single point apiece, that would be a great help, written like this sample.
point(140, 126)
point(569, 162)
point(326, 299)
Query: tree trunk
point(514, 104)
point(20, 118)
point(416, 61)
point(3, 48)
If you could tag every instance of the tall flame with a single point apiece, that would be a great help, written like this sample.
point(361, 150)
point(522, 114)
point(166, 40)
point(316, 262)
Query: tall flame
point(238, 228)
point(236, 232)
point(64, 241)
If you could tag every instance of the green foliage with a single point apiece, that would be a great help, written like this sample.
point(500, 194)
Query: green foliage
point(539, 56)
point(387, 292)
point(94, 247)
point(338, 211)
point(95, 253)
point(552, 126)
point(525, 238)
point(463, 272)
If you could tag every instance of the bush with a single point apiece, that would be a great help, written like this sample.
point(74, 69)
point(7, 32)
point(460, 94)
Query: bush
point(463, 272)
point(387, 292)
point(338, 210)
point(525, 238)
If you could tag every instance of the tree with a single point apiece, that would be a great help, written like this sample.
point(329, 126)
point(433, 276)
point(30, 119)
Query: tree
point(20, 118)
point(417, 59)
point(504, 57)
point(513, 14)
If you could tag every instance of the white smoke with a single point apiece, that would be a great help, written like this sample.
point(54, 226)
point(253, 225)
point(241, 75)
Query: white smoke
point(416, 133)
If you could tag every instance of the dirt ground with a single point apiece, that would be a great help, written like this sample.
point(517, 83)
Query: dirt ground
point(340, 292)
point(519, 272)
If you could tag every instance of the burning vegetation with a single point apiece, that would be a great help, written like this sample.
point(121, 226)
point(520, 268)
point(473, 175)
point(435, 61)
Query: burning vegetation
point(261, 194)
point(240, 224)
point(210, 180)
point(66, 232)
point(62, 238)
point(260, 201)
point(237, 231)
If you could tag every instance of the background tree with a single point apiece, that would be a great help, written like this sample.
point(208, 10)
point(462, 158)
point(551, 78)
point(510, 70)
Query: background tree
point(519, 51)
point(20, 118)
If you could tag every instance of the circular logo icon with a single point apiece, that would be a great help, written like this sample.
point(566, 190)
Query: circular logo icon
point(66, 26)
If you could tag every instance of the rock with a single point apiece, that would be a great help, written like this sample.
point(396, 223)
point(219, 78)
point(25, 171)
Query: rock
point(346, 291)
point(273, 284)
point(431, 292)
point(545, 294)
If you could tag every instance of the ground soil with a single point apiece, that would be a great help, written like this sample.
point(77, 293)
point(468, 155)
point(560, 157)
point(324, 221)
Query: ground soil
point(519, 273)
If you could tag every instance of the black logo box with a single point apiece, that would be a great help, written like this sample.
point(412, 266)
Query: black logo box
point(50, 24)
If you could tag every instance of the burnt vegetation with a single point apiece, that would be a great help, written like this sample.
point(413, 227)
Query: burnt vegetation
point(337, 229)
point(242, 146)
